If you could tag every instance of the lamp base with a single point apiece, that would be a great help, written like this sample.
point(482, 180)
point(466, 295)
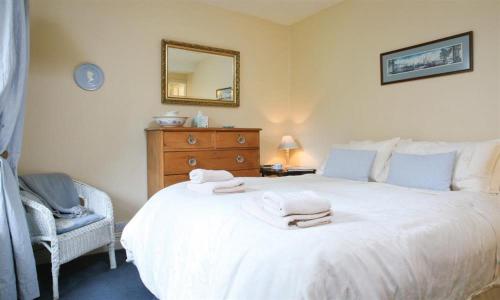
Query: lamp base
point(287, 158)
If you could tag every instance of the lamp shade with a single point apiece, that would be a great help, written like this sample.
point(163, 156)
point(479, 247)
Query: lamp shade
point(287, 142)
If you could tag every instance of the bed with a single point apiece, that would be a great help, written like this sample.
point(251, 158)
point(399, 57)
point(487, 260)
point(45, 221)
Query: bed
point(385, 242)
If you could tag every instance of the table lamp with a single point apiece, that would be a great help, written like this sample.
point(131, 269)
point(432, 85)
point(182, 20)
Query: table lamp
point(287, 144)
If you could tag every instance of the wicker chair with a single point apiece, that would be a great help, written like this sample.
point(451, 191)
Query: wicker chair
point(70, 245)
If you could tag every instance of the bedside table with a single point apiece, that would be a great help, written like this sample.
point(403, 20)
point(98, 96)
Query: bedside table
point(268, 171)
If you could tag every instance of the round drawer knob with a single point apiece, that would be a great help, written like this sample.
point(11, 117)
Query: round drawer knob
point(241, 139)
point(191, 140)
point(192, 162)
point(240, 159)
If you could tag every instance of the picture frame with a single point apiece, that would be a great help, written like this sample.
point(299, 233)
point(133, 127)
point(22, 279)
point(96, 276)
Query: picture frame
point(224, 94)
point(446, 56)
point(173, 55)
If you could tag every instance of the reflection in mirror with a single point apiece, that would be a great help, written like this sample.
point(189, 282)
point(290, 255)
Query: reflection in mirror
point(199, 75)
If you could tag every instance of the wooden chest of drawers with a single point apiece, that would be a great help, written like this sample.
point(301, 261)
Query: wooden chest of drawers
point(173, 152)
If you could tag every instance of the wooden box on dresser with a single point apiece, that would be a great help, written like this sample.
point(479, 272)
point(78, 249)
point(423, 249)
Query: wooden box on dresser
point(174, 152)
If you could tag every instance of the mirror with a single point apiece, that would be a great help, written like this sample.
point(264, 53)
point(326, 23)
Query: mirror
point(199, 75)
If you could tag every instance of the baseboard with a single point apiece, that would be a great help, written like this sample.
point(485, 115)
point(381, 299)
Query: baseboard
point(42, 255)
point(118, 234)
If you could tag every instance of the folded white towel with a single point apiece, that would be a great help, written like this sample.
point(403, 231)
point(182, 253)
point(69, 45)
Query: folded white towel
point(255, 208)
point(314, 222)
point(220, 187)
point(202, 175)
point(296, 203)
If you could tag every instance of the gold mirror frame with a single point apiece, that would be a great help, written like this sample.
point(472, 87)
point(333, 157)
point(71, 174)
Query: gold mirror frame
point(199, 48)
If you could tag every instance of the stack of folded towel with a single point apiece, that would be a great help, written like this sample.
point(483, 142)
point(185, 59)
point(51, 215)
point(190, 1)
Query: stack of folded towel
point(214, 182)
point(289, 210)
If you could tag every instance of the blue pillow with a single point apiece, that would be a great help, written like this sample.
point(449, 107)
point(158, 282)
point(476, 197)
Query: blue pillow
point(350, 164)
point(432, 172)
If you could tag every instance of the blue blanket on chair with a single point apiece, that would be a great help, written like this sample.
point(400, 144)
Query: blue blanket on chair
point(56, 191)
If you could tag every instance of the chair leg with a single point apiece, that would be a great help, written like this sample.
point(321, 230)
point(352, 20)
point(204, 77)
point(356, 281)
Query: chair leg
point(55, 269)
point(112, 259)
point(55, 281)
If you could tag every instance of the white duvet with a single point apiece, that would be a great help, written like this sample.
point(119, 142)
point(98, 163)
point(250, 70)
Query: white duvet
point(385, 242)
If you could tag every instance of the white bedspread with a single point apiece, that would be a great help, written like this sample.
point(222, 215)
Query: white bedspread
point(385, 242)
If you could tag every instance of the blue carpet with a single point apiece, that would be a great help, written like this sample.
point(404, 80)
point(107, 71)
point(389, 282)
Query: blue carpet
point(89, 278)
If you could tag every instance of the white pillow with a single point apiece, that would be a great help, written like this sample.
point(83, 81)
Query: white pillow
point(383, 148)
point(495, 179)
point(475, 165)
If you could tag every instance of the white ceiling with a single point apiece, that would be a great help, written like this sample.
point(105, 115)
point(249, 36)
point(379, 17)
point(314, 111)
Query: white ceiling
point(182, 61)
point(284, 12)
point(185, 61)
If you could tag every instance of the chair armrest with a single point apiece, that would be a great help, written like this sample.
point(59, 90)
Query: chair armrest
point(95, 200)
point(41, 222)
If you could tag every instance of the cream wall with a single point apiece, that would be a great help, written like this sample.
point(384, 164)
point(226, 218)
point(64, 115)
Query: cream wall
point(98, 136)
point(210, 74)
point(318, 79)
point(335, 83)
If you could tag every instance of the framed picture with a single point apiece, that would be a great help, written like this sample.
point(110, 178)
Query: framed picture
point(224, 94)
point(445, 56)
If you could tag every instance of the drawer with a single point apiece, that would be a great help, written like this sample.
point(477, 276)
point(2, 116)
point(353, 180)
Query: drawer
point(183, 162)
point(237, 139)
point(173, 179)
point(247, 173)
point(188, 140)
